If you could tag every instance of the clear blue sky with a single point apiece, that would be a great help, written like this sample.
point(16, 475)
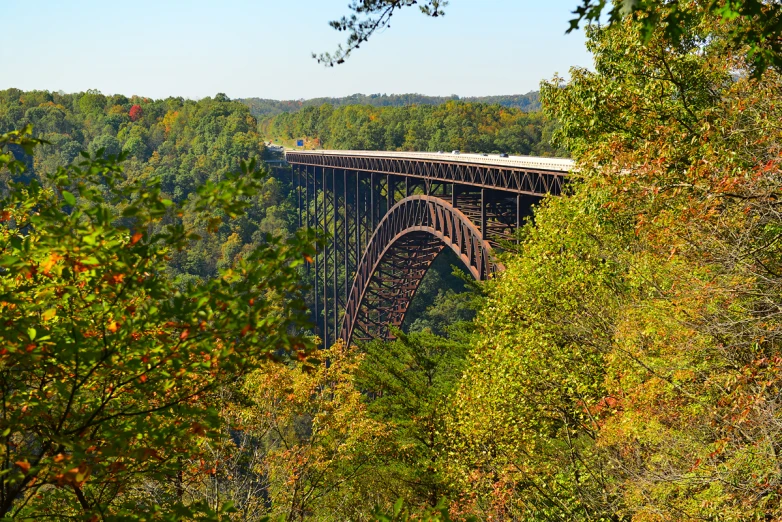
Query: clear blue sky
point(245, 48)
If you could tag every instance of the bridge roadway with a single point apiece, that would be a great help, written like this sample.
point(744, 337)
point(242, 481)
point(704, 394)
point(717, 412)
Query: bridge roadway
point(524, 162)
point(390, 214)
point(530, 175)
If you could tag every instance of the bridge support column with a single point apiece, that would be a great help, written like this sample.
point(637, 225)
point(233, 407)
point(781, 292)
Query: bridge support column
point(345, 222)
point(316, 226)
point(307, 206)
point(483, 213)
point(335, 211)
point(325, 232)
point(518, 215)
point(359, 213)
point(389, 193)
point(372, 201)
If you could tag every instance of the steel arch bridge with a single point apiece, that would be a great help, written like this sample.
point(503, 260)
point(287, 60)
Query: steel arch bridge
point(390, 214)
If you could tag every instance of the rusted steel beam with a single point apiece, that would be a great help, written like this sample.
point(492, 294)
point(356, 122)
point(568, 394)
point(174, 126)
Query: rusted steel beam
point(403, 246)
point(522, 180)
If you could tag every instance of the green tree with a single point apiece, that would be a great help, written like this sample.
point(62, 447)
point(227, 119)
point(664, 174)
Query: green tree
point(628, 355)
point(321, 445)
point(107, 364)
point(409, 382)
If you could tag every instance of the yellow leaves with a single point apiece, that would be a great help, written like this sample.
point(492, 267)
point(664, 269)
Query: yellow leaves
point(113, 326)
point(169, 120)
point(49, 263)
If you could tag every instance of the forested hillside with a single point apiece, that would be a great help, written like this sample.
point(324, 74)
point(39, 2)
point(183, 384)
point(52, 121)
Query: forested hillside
point(262, 107)
point(158, 359)
point(182, 143)
point(466, 126)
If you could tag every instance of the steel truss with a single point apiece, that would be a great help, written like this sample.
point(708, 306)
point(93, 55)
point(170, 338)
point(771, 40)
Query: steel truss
point(406, 242)
point(385, 228)
point(513, 179)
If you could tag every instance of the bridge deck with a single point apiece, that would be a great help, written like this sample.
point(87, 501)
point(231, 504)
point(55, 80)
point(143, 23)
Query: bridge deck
point(494, 160)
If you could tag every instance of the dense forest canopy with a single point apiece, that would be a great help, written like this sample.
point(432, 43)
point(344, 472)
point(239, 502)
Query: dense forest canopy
point(157, 361)
point(466, 126)
point(260, 107)
point(182, 143)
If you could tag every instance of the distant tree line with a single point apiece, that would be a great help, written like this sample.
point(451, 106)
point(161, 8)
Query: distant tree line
point(260, 107)
point(466, 126)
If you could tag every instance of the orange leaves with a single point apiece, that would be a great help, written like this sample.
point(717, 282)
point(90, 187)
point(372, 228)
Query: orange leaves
point(74, 477)
point(59, 458)
point(136, 238)
point(113, 326)
point(52, 260)
point(114, 279)
point(23, 465)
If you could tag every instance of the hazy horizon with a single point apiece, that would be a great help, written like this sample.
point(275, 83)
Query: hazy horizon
point(62, 92)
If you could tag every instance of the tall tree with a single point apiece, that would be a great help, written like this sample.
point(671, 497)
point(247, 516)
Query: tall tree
point(107, 364)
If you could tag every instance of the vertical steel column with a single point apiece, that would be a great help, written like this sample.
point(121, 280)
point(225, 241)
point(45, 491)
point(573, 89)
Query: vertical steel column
point(407, 186)
point(335, 303)
point(359, 213)
point(371, 203)
point(325, 262)
point(298, 189)
point(345, 222)
point(389, 193)
point(307, 203)
point(317, 254)
point(483, 213)
point(518, 215)
point(454, 194)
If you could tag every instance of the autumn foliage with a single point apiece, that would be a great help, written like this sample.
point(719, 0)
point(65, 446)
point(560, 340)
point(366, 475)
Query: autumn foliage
point(629, 368)
point(109, 366)
point(135, 112)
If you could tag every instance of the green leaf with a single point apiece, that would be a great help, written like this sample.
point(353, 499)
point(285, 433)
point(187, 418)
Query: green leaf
point(68, 197)
point(398, 507)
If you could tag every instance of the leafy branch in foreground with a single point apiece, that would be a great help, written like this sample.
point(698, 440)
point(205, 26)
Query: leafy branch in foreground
point(368, 17)
point(107, 364)
point(754, 24)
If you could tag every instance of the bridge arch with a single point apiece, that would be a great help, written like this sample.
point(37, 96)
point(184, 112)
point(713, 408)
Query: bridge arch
point(403, 246)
